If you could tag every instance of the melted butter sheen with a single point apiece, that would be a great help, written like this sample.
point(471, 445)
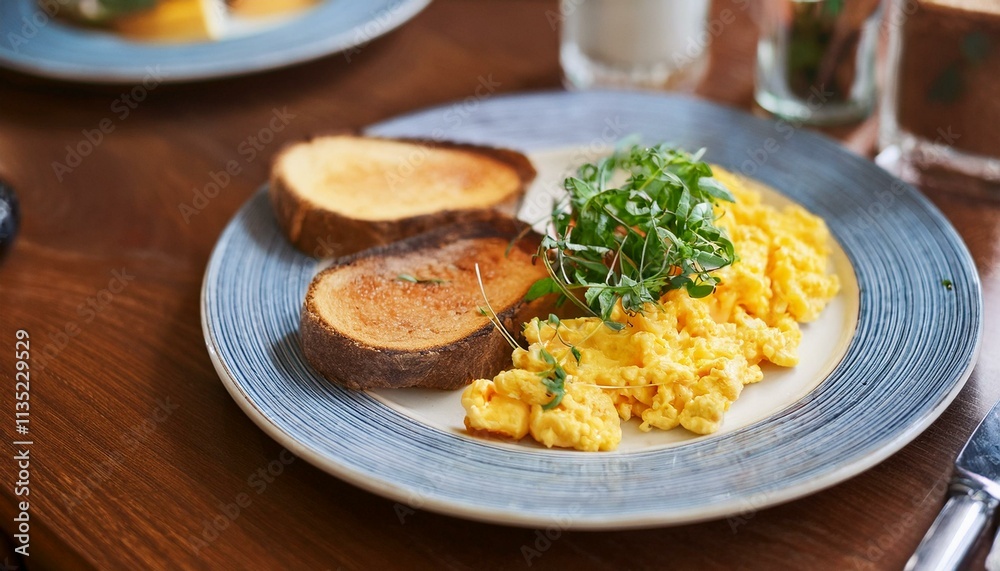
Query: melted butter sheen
point(680, 364)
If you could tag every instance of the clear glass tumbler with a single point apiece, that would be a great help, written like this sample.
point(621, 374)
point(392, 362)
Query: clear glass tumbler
point(816, 59)
point(646, 44)
point(939, 117)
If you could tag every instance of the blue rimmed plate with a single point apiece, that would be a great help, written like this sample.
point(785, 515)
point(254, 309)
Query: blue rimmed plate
point(31, 41)
point(888, 356)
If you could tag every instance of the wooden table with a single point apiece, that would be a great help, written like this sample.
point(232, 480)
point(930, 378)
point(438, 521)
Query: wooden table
point(136, 442)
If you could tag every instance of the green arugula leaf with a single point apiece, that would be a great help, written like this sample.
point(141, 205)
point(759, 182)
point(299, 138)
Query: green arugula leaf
point(541, 288)
point(631, 243)
point(554, 380)
point(614, 325)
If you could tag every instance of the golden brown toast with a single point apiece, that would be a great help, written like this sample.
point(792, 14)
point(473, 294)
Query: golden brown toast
point(407, 314)
point(339, 194)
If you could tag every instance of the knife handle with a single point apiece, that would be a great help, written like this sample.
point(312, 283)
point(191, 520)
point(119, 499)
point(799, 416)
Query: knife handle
point(954, 532)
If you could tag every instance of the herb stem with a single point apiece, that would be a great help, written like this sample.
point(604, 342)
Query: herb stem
point(630, 244)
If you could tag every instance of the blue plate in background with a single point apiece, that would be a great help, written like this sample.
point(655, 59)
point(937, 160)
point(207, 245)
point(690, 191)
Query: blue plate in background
point(33, 42)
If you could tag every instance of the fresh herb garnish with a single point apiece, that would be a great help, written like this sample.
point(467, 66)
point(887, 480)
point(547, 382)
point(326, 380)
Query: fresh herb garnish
point(416, 280)
point(490, 314)
point(576, 354)
point(554, 379)
point(631, 242)
point(947, 284)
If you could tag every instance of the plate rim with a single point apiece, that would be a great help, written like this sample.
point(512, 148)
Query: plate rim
point(456, 509)
point(403, 494)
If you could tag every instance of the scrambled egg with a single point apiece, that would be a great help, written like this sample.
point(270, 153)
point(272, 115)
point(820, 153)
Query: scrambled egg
point(683, 362)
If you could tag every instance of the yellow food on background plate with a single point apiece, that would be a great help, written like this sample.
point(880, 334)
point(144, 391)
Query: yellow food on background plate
point(180, 21)
point(269, 7)
point(684, 361)
point(174, 20)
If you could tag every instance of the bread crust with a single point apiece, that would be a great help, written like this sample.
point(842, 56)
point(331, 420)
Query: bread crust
point(323, 233)
point(348, 361)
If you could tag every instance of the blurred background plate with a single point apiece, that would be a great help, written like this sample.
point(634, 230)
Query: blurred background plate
point(33, 42)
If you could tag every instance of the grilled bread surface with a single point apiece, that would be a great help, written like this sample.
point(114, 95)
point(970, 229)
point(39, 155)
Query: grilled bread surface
point(407, 314)
point(339, 194)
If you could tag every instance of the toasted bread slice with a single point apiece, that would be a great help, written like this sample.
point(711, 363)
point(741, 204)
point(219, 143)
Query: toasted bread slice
point(339, 194)
point(367, 324)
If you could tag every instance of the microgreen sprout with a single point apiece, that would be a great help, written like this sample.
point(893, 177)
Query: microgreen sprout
point(554, 379)
point(492, 315)
point(629, 244)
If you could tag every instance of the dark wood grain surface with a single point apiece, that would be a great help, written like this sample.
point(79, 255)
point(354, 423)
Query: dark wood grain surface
point(137, 444)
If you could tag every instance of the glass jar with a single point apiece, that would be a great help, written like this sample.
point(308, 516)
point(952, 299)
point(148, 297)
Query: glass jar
point(816, 59)
point(651, 44)
point(940, 113)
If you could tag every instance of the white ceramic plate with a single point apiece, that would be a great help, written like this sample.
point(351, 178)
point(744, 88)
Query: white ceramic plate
point(886, 358)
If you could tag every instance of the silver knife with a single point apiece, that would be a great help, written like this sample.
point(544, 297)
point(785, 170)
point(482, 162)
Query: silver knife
point(973, 498)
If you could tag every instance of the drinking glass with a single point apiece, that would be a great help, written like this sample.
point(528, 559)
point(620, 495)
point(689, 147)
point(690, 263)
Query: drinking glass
point(940, 112)
point(816, 59)
point(650, 44)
